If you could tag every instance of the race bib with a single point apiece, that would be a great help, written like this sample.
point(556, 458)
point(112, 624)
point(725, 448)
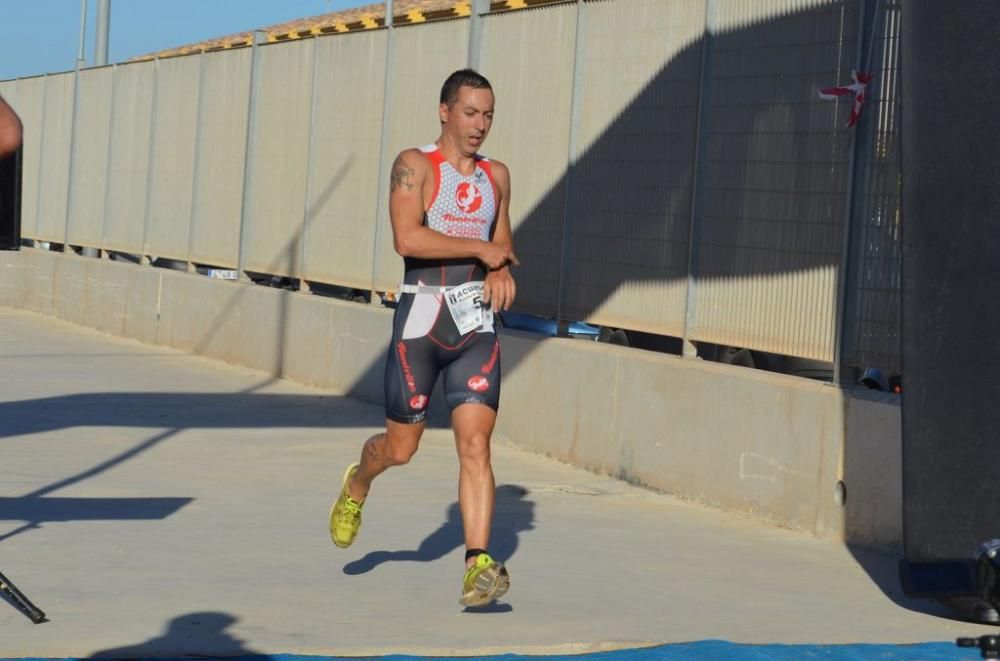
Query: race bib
point(465, 302)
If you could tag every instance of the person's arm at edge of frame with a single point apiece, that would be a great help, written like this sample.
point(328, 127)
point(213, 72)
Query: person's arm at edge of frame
point(499, 288)
point(10, 130)
point(411, 238)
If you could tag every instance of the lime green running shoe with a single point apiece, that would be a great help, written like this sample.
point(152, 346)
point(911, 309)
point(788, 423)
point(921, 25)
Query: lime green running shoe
point(484, 582)
point(345, 515)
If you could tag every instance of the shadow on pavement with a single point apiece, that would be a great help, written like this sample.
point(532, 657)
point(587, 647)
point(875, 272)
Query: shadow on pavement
point(188, 410)
point(194, 634)
point(37, 511)
point(883, 570)
point(513, 514)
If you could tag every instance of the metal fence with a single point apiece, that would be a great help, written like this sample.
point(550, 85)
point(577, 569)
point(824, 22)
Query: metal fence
point(674, 170)
point(872, 321)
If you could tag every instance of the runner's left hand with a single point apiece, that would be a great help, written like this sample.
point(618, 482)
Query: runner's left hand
point(499, 289)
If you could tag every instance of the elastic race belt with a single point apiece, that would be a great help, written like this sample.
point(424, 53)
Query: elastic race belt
point(464, 301)
point(428, 289)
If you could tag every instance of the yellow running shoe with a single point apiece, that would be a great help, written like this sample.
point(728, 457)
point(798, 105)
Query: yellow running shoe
point(345, 515)
point(484, 582)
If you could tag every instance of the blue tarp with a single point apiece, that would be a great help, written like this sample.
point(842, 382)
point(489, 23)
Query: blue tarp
point(703, 650)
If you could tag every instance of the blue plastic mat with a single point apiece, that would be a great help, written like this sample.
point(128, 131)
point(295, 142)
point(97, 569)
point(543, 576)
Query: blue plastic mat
point(703, 650)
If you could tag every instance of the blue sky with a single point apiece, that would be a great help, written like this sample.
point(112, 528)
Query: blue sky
point(43, 36)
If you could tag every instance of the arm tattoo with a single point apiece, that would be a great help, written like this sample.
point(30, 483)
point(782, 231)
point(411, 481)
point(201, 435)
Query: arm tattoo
point(402, 175)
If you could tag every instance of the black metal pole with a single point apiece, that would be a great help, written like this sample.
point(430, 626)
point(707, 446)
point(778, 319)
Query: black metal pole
point(21, 602)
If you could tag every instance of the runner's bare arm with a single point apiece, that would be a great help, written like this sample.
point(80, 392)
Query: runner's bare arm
point(500, 289)
point(10, 130)
point(406, 211)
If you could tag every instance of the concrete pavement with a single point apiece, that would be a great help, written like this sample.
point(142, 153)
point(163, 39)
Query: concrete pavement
point(154, 502)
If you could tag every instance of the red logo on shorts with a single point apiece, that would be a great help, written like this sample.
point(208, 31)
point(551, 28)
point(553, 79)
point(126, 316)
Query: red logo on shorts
point(468, 198)
point(478, 383)
point(418, 402)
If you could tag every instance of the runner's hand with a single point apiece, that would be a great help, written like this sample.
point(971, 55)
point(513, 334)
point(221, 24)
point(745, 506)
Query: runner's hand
point(499, 289)
point(496, 256)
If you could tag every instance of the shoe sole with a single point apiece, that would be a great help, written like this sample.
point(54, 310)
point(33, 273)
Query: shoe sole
point(489, 586)
point(347, 476)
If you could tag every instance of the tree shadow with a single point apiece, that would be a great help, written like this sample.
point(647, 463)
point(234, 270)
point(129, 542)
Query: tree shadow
point(513, 514)
point(200, 634)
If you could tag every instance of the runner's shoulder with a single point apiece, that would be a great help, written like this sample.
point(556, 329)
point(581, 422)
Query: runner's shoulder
point(494, 163)
point(414, 157)
point(500, 172)
point(411, 163)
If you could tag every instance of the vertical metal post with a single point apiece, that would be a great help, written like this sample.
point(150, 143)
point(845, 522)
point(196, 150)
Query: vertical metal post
point(72, 157)
point(477, 9)
point(572, 157)
point(150, 165)
point(259, 37)
point(110, 155)
point(697, 169)
point(13, 99)
point(299, 268)
point(102, 31)
point(390, 50)
point(41, 152)
point(839, 336)
point(196, 166)
point(81, 60)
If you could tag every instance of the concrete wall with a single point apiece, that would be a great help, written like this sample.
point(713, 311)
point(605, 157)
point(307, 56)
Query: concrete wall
point(769, 445)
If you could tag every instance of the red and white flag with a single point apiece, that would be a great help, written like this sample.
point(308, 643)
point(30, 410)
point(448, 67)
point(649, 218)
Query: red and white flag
point(857, 88)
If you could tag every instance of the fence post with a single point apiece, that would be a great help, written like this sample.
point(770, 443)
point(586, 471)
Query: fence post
point(150, 161)
point(390, 49)
point(574, 125)
point(110, 155)
point(477, 9)
point(697, 169)
point(298, 269)
point(259, 37)
point(41, 153)
point(840, 337)
point(72, 157)
point(195, 166)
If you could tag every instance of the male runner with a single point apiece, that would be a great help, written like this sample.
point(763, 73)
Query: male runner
point(10, 130)
point(449, 208)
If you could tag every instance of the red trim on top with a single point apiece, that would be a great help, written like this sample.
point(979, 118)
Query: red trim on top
point(487, 167)
point(436, 158)
point(430, 334)
point(445, 346)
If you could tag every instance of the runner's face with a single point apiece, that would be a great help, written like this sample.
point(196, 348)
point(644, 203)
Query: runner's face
point(467, 122)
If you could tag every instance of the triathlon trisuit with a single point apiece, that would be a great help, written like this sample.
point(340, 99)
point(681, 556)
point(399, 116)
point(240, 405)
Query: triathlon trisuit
point(426, 340)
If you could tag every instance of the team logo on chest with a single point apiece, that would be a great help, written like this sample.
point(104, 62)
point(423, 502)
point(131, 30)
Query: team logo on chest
point(468, 197)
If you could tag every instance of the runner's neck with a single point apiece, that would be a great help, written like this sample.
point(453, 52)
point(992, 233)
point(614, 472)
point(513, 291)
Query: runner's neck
point(465, 165)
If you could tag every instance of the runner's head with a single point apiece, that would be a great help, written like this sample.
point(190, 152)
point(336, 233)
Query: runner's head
point(466, 110)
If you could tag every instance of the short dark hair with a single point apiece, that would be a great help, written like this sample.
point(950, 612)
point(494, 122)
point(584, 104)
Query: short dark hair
point(462, 78)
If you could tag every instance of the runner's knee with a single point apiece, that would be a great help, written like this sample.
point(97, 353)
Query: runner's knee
point(474, 448)
point(399, 449)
